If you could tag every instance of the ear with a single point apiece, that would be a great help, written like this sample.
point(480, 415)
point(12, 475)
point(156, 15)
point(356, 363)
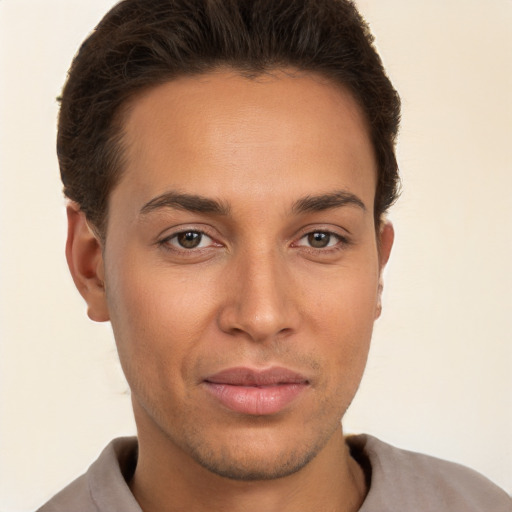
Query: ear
point(385, 240)
point(85, 261)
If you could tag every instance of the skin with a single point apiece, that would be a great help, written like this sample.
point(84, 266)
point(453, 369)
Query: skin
point(259, 290)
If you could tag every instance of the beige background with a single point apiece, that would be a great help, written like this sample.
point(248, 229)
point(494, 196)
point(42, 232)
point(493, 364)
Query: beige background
point(439, 379)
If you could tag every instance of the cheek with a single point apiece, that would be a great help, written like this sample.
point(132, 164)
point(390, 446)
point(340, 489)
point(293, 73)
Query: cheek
point(342, 316)
point(157, 322)
point(346, 299)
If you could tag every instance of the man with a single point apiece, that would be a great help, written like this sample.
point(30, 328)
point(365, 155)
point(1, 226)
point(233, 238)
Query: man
point(229, 165)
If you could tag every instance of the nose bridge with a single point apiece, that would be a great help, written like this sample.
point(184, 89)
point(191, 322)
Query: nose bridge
point(259, 298)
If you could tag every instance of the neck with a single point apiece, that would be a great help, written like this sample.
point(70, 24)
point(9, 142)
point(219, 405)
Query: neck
point(167, 480)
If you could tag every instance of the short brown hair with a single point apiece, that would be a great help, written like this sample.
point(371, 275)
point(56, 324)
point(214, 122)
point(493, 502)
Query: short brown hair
point(142, 43)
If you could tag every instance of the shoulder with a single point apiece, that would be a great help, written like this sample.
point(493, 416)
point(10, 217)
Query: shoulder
point(76, 494)
point(405, 480)
point(103, 488)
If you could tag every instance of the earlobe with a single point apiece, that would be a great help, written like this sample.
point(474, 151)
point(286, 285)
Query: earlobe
point(385, 241)
point(85, 261)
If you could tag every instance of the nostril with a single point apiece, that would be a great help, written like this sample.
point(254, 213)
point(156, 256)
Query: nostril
point(260, 305)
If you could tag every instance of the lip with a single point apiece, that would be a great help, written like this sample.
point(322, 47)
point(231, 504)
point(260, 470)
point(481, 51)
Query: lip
point(256, 392)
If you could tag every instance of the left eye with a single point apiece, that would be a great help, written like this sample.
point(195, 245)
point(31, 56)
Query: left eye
point(190, 240)
point(319, 239)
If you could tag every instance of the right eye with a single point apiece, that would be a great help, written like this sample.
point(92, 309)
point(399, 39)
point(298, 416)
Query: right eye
point(188, 240)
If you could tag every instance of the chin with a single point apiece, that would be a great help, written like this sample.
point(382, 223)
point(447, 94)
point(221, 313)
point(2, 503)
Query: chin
point(260, 458)
point(247, 467)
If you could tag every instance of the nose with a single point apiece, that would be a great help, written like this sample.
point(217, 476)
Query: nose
point(260, 298)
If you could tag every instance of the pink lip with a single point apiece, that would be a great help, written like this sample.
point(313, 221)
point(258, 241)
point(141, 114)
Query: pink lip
point(256, 392)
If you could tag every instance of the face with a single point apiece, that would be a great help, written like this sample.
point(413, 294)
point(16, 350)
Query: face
point(241, 267)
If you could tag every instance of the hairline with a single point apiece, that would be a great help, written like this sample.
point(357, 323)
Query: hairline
point(116, 131)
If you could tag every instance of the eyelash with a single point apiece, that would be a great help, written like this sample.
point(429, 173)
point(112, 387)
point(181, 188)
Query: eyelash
point(167, 244)
point(341, 242)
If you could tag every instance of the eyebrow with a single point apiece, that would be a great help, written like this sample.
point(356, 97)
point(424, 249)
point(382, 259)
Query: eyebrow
point(187, 202)
point(327, 201)
point(200, 204)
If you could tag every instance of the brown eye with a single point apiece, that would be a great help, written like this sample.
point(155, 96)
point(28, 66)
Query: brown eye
point(189, 239)
point(191, 242)
point(319, 239)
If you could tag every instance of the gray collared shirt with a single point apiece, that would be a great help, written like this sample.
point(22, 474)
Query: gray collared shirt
point(400, 481)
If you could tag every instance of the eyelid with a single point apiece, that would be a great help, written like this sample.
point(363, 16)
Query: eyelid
point(333, 235)
point(163, 239)
point(175, 236)
point(342, 236)
point(171, 231)
point(323, 228)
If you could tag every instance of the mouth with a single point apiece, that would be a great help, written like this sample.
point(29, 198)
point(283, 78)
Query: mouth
point(256, 392)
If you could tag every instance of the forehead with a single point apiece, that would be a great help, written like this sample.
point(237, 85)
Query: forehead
point(221, 134)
